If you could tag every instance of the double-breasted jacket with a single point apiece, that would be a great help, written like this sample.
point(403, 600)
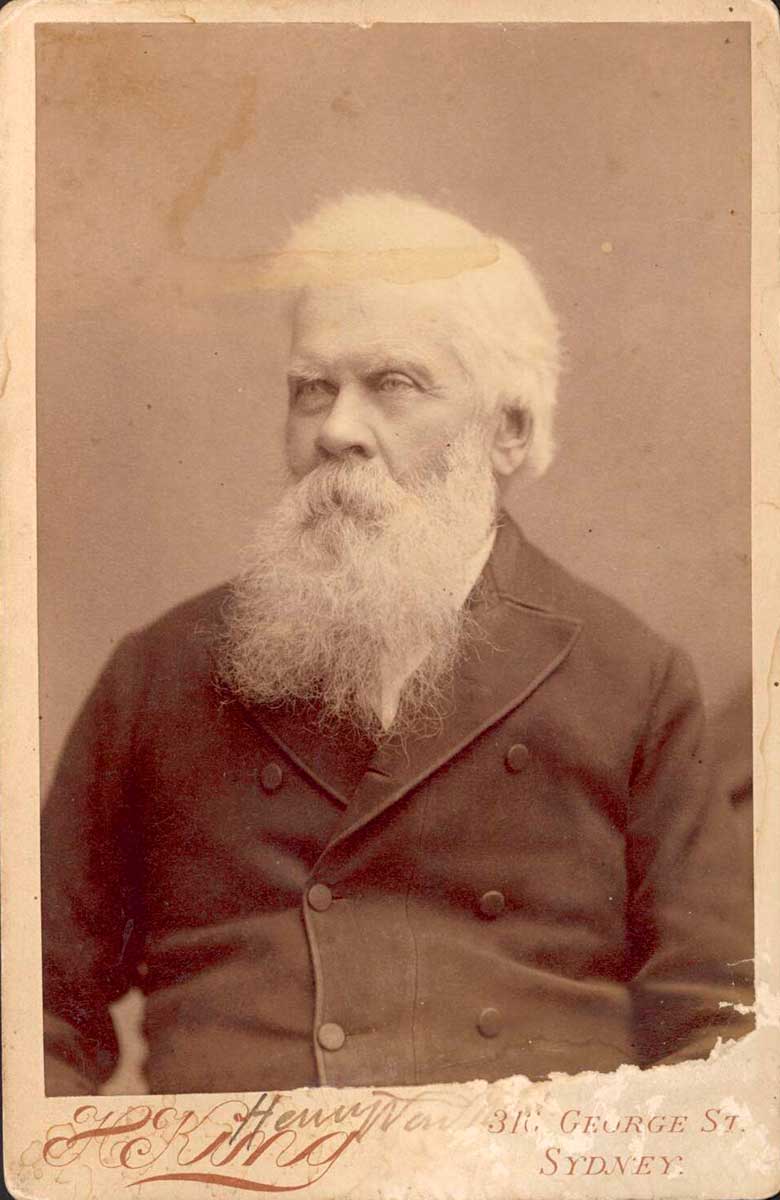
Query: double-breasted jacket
point(541, 885)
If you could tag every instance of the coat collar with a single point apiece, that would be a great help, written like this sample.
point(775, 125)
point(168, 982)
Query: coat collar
point(522, 640)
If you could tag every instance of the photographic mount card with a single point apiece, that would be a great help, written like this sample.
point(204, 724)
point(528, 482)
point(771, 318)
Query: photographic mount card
point(477, 924)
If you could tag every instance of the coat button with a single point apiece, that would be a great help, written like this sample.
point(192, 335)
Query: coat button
point(271, 777)
point(491, 904)
point(516, 757)
point(331, 1036)
point(489, 1022)
point(320, 897)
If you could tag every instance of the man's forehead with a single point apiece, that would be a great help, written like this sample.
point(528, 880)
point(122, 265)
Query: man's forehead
point(373, 321)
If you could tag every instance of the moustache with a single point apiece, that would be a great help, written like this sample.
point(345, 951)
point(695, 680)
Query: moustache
point(363, 491)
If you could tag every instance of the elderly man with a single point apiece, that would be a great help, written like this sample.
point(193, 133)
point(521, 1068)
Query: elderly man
point(406, 802)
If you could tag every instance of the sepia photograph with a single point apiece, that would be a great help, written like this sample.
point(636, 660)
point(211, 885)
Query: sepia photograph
point(392, 463)
point(420, 794)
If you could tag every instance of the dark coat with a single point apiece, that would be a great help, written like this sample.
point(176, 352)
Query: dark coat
point(543, 886)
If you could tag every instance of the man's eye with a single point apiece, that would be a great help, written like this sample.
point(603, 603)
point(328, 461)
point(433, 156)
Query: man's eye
point(312, 387)
point(394, 382)
point(309, 393)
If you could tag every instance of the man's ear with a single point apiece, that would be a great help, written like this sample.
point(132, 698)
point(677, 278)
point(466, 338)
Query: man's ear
point(511, 438)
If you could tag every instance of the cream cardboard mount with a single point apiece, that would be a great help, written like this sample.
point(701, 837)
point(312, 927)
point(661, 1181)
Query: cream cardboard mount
point(697, 1129)
point(694, 1130)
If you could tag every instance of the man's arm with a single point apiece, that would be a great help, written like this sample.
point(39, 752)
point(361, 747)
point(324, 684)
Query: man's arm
point(690, 894)
point(89, 908)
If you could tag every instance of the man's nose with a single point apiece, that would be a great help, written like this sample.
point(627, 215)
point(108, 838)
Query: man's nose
point(345, 429)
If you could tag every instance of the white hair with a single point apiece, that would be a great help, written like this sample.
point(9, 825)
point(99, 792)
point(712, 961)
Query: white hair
point(508, 335)
point(353, 571)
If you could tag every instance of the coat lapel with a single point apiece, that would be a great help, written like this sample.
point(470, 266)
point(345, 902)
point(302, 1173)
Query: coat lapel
point(519, 643)
point(335, 759)
point(517, 646)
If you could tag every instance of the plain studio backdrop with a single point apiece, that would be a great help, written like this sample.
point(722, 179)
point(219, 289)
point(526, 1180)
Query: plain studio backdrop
point(171, 156)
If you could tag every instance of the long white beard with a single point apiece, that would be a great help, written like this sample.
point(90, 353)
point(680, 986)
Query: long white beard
point(352, 569)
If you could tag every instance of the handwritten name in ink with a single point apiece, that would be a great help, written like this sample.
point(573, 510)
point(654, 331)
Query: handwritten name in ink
point(272, 1145)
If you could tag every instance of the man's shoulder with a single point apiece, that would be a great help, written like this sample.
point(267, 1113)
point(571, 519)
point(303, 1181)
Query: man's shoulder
point(617, 663)
point(196, 616)
point(609, 629)
point(182, 641)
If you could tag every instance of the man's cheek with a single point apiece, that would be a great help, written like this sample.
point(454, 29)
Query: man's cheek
point(300, 451)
